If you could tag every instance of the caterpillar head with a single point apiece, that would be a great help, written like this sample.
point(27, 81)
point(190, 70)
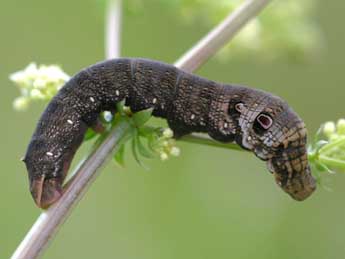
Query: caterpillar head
point(276, 134)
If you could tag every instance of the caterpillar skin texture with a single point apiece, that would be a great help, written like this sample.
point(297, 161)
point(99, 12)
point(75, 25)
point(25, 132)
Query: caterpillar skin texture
point(256, 120)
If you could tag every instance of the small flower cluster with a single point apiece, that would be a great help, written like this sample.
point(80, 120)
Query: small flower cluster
point(166, 145)
point(334, 131)
point(37, 83)
point(327, 151)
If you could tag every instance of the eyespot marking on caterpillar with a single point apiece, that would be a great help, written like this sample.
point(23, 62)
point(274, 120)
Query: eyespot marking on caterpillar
point(239, 107)
point(264, 121)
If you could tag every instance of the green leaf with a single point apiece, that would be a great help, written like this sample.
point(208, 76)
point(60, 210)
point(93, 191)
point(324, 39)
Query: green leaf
point(119, 156)
point(318, 135)
point(134, 150)
point(152, 142)
point(320, 144)
point(322, 167)
point(140, 118)
point(120, 106)
point(142, 149)
point(146, 131)
point(90, 134)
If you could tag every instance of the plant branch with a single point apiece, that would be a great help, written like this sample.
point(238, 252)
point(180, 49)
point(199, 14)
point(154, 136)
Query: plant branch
point(220, 35)
point(49, 221)
point(113, 29)
point(201, 139)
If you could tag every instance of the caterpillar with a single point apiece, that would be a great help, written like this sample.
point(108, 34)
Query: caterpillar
point(256, 120)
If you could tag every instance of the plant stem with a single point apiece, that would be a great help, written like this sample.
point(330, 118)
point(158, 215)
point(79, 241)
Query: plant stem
point(329, 147)
point(220, 35)
point(49, 221)
point(113, 29)
point(332, 162)
point(196, 138)
point(203, 139)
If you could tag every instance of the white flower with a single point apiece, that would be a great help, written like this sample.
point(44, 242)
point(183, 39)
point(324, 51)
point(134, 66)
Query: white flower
point(19, 78)
point(20, 103)
point(163, 156)
point(107, 116)
point(36, 94)
point(37, 83)
point(329, 128)
point(341, 127)
point(168, 133)
point(175, 151)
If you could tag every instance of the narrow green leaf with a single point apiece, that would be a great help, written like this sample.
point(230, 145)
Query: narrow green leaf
point(322, 167)
point(145, 131)
point(90, 133)
point(140, 118)
point(120, 106)
point(151, 142)
point(320, 144)
point(120, 155)
point(142, 149)
point(135, 151)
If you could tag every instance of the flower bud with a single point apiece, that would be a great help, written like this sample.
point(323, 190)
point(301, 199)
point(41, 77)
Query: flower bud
point(175, 151)
point(168, 133)
point(20, 103)
point(107, 116)
point(329, 128)
point(164, 156)
point(341, 127)
point(36, 94)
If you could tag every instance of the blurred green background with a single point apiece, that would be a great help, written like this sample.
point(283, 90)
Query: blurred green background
point(208, 203)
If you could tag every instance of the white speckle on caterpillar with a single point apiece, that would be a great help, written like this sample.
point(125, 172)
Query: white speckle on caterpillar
point(192, 117)
point(70, 122)
point(226, 125)
point(92, 99)
point(154, 100)
point(49, 154)
point(117, 92)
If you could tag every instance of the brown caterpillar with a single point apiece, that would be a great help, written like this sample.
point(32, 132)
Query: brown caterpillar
point(256, 120)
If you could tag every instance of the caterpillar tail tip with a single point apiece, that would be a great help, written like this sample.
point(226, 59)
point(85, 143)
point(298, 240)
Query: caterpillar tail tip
point(45, 192)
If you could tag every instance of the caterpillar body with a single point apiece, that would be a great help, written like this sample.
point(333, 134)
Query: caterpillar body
point(256, 120)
